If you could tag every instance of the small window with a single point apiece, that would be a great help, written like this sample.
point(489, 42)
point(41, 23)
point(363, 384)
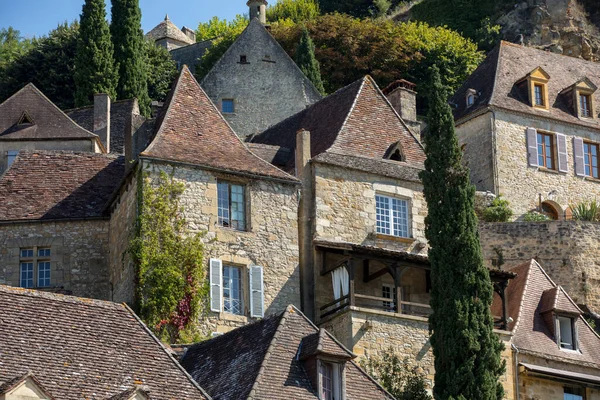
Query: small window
point(585, 109)
point(387, 292)
point(574, 393)
point(545, 143)
point(227, 106)
point(330, 380)
point(538, 91)
point(231, 205)
point(566, 333)
point(35, 261)
point(27, 253)
point(26, 275)
point(232, 290)
point(590, 159)
point(44, 252)
point(470, 100)
point(392, 216)
point(397, 156)
point(10, 157)
point(44, 274)
point(243, 60)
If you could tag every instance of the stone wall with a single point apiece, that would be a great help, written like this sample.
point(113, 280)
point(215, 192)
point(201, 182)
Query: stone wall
point(78, 262)
point(568, 251)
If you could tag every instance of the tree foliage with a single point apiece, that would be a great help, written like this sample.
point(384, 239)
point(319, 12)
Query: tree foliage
point(94, 63)
point(162, 70)
point(306, 61)
point(465, 349)
point(498, 211)
point(357, 8)
point(171, 290)
point(216, 28)
point(12, 46)
point(128, 40)
point(397, 376)
point(296, 11)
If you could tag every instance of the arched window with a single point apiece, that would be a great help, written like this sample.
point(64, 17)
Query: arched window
point(395, 152)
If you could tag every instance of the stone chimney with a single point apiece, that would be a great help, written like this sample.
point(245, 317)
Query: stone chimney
point(189, 33)
point(258, 9)
point(403, 97)
point(102, 119)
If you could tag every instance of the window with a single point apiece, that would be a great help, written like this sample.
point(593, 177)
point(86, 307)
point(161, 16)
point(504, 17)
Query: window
point(387, 292)
point(231, 205)
point(326, 381)
point(330, 380)
point(574, 393)
point(545, 143)
point(566, 330)
point(29, 264)
point(392, 216)
point(470, 100)
point(227, 106)
point(538, 91)
point(10, 157)
point(235, 289)
point(585, 109)
point(232, 290)
point(590, 159)
point(243, 60)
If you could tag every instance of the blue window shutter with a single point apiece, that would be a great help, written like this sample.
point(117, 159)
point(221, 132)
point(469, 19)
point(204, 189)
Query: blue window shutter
point(257, 295)
point(532, 147)
point(563, 158)
point(216, 285)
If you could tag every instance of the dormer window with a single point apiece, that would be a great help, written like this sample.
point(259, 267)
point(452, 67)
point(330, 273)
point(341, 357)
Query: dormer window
point(567, 338)
point(537, 87)
point(395, 152)
point(539, 95)
point(330, 380)
point(243, 59)
point(585, 105)
point(580, 97)
point(25, 119)
point(471, 96)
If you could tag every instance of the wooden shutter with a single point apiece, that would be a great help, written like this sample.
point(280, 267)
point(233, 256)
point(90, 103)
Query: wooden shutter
point(216, 285)
point(257, 298)
point(578, 153)
point(557, 330)
point(575, 334)
point(532, 147)
point(561, 147)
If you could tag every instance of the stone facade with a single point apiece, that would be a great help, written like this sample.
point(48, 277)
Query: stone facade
point(476, 138)
point(190, 55)
point(568, 250)
point(78, 255)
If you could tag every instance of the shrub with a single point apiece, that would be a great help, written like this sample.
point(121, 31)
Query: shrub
point(586, 211)
point(534, 216)
point(498, 211)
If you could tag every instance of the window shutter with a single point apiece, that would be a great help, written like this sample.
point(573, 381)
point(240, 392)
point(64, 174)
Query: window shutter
point(578, 152)
point(561, 146)
point(257, 298)
point(557, 330)
point(532, 147)
point(216, 285)
point(575, 334)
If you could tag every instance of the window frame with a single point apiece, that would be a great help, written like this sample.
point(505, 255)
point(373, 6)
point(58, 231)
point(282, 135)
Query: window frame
point(241, 285)
point(243, 209)
point(559, 322)
point(542, 97)
point(33, 258)
point(585, 112)
point(544, 152)
point(588, 158)
point(337, 379)
point(389, 218)
point(227, 101)
point(578, 395)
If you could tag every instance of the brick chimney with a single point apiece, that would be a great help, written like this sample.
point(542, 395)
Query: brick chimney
point(403, 97)
point(102, 118)
point(258, 9)
point(189, 33)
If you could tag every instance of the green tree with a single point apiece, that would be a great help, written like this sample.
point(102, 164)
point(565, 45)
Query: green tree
point(128, 40)
point(355, 8)
point(465, 349)
point(162, 71)
point(94, 64)
point(216, 28)
point(296, 11)
point(306, 61)
point(12, 46)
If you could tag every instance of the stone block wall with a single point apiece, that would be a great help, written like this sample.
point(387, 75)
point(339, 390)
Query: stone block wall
point(475, 138)
point(567, 250)
point(78, 262)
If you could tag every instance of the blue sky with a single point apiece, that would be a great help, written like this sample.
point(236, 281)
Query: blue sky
point(38, 17)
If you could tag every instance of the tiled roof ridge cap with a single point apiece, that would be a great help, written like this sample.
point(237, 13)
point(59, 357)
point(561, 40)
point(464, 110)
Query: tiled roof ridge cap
point(167, 352)
point(63, 298)
point(522, 299)
point(338, 152)
point(496, 74)
point(112, 156)
point(519, 46)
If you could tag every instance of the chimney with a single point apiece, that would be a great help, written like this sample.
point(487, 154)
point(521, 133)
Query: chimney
point(258, 9)
point(403, 97)
point(189, 33)
point(102, 119)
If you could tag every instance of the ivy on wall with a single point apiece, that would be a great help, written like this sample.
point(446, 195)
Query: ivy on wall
point(171, 288)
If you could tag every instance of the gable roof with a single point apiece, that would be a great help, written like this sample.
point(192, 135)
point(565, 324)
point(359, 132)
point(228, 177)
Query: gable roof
point(82, 348)
point(262, 359)
point(46, 185)
point(357, 120)
point(48, 121)
point(18, 380)
point(496, 80)
point(167, 29)
point(530, 295)
point(191, 130)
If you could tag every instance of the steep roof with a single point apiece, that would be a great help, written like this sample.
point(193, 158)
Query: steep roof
point(357, 120)
point(496, 79)
point(191, 130)
point(58, 184)
point(262, 359)
point(167, 29)
point(82, 348)
point(42, 120)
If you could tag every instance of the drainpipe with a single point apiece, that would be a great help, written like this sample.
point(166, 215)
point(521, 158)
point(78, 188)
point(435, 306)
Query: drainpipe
point(516, 351)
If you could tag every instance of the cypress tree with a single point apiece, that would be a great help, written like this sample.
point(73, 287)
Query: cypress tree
point(128, 39)
point(94, 64)
point(305, 59)
point(466, 351)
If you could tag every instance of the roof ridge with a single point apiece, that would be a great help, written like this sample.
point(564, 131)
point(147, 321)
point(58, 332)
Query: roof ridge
point(497, 66)
point(63, 298)
point(522, 299)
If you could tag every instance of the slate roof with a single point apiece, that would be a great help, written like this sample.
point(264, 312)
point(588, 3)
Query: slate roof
point(260, 361)
point(48, 122)
point(357, 121)
point(507, 64)
point(120, 112)
point(528, 300)
point(46, 185)
point(167, 29)
point(85, 349)
point(191, 130)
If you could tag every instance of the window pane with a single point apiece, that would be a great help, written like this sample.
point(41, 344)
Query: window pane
point(44, 252)
point(223, 203)
point(232, 290)
point(400, 216)
point(26, 253)
point(238, 220)
point(227, 105)
point(326, 381)
point(382, 210)
point(26, 275)
point(566, 332)
point(44, 274)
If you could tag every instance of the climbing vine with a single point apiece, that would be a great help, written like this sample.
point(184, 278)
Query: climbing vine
point(171, 289)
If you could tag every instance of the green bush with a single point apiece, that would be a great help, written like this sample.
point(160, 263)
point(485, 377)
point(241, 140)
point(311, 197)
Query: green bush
point(498, 211)
point(534, 216)
point(586, 211)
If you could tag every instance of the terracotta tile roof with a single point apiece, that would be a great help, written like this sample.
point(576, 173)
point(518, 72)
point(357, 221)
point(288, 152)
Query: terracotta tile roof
point(262, 360)
point(530, 294)
point(508, 63)
point(167, 29)
point(357, 120)
point(59, 184)
point(191, 130)
point(82, 348)
point(47, 120)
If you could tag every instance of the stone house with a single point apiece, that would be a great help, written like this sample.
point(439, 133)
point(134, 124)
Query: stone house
point(284, 356)
point(246, 207)
point(169, 36)
point(62, 347)
point(528, 123)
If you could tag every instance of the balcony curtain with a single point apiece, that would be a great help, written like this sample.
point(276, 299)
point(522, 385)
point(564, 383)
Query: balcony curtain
point(341, 282)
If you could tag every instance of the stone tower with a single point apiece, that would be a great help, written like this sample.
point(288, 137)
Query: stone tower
point(258, 9)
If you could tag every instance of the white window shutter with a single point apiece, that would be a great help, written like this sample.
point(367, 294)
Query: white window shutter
point(561, 146)
point(557, 331)
point(257, 292)
point(578, 153)
point(216, 285)
point(532, 147)
point(575, 335)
